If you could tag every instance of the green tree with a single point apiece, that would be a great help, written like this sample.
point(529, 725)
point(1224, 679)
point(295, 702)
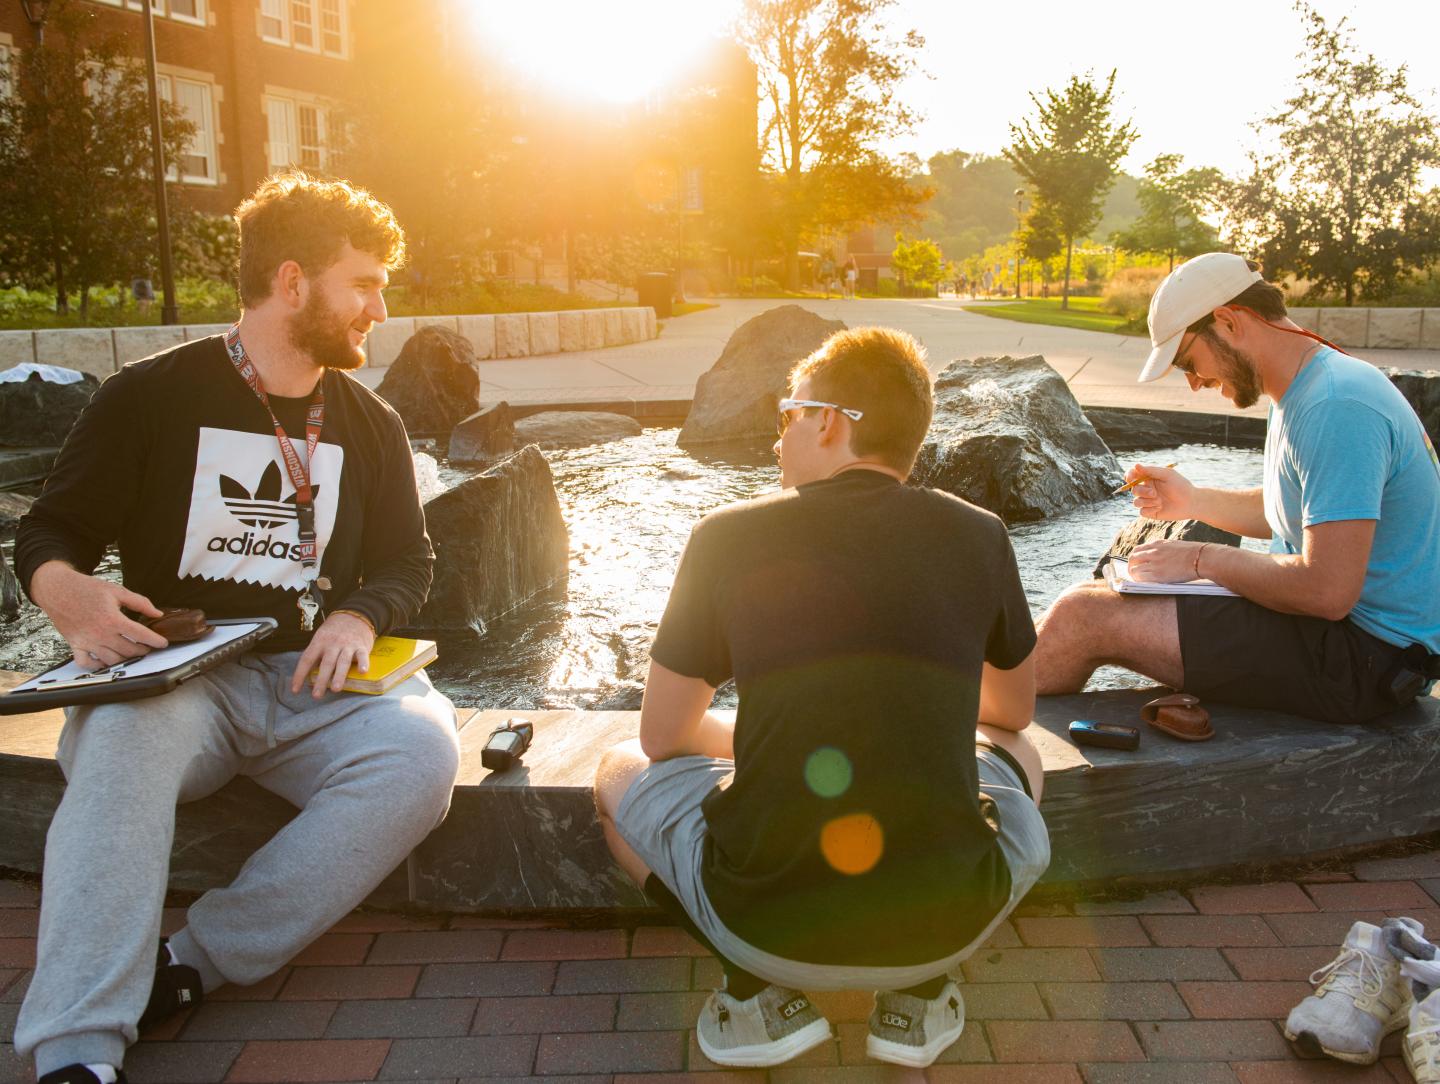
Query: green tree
point(1068, 153)
point(75, 162)
point(918, 262)
point(1340, 202)
point(829, 75)
point(1171, 204)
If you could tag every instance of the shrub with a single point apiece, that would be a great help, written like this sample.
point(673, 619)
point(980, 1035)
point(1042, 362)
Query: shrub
point(887, 287)
point(1128, 293)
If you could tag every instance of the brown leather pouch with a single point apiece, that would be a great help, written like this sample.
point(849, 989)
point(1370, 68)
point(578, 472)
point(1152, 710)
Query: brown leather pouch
point(1179, 715)
point(179, 625)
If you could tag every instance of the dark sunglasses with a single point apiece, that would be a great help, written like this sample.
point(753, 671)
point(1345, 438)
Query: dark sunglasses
point(786, 406)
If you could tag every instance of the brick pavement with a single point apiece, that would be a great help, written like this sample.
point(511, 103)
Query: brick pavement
point(1185, 986)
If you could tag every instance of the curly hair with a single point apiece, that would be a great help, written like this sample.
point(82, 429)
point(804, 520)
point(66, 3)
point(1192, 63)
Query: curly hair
point(293, 216)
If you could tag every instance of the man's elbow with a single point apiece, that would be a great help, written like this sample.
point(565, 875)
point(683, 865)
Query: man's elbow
point(1334, 602)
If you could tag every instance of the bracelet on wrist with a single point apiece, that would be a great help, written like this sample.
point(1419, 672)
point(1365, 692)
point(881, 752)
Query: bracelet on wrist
point(1197, 560)
point(356, 613)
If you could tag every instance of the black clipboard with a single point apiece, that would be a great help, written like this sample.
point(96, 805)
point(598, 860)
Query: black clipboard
point(106, 688)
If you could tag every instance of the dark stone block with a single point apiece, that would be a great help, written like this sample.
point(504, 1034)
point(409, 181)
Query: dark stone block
point(484, 437)
point(1009, 436)
point(433, 383)
point(36, 413)
point(1422, 391)
point(499, 540)
point(735, 398)
point(1153, 530)
point(574, 428)
point(1128, 429)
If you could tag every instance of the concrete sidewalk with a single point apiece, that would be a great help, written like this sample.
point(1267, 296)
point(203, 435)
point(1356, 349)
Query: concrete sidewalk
point(1101, 368)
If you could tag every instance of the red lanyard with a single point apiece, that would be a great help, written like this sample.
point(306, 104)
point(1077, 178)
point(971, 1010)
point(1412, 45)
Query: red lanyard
point(299, 473)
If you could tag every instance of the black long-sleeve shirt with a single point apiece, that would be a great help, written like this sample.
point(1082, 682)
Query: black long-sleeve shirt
point(176, 460)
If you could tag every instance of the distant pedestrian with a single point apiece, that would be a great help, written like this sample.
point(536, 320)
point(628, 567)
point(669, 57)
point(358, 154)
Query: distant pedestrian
point(827, 274)
point(852, 276)
point(144, 293)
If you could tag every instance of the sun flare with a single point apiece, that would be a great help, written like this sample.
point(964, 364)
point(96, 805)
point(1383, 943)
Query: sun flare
point(616, 51)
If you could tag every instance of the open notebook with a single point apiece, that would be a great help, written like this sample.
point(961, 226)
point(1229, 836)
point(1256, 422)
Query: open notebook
point(1117, 575)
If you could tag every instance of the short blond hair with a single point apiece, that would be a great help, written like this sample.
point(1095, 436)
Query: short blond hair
point(882, 372)
point(293, 216)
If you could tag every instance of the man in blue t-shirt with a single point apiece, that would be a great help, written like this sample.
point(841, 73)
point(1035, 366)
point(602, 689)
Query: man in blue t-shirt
point(1341, 619)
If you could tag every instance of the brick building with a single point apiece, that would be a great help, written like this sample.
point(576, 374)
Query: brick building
point(259, 79)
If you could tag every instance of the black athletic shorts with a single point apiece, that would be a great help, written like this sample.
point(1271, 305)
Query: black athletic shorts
point(1238, 652)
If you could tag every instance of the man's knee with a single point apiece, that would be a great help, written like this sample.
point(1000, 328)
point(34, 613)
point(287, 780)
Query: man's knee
point(423, 756)
point(618, 767)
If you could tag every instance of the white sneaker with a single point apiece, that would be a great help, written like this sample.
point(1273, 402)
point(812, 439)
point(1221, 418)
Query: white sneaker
point(907, 1030)
point(1360, 998)
point(770, 1028)
point(1422, 1040)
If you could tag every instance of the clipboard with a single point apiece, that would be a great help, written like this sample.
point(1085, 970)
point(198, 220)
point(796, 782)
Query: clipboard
point(67, 685)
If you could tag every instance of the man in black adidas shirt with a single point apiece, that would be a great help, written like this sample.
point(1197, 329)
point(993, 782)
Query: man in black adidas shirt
point(244, 474)
point(847, 830)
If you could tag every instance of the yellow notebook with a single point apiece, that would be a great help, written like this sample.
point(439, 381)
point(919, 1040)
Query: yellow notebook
point(392, 660)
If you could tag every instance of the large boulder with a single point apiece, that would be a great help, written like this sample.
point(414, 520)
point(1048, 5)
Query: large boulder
point(36, 413)
point(9, 593)
point(499, 540)
point(433, 383)
point(12, 507)
point(574, 428)
point(1143, 530)
point(735, 400)
point(1422, 389)
point(1010, 437)
point(484, 437)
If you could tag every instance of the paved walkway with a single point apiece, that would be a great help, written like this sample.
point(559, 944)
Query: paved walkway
point(1101, 368)
point(1178, 987)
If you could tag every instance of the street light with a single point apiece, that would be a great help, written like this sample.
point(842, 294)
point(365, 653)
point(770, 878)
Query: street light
point(169, 313)
point(37, 11)
point(1019, 225)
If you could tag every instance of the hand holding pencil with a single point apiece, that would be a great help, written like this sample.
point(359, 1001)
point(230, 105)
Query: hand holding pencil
point(1159, 492)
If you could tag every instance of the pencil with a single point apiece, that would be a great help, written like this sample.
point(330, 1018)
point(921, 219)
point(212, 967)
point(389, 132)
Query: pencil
point(1128, 486)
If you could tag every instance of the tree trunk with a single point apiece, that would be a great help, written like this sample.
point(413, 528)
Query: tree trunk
point(62, 299)
point(1350, 291)
point(1065, 286)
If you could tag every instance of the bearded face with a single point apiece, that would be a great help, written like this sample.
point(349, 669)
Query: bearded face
point(325, 335)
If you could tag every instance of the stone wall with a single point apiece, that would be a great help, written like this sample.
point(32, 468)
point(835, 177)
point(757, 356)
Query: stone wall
point(102, 351)
point(1377, 329)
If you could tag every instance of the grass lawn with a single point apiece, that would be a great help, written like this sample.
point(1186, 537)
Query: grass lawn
point(1084, 313)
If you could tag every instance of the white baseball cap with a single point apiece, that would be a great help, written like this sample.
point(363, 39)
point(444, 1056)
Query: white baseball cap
point(1194, 289)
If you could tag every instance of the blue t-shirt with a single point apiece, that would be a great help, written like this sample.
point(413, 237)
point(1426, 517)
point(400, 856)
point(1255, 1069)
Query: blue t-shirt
point(1343, 443)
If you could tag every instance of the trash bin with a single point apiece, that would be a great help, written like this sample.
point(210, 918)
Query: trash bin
point(655, 289)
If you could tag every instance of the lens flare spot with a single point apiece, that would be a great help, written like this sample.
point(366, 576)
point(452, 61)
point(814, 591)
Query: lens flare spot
point(853, 843)
point(828, 773)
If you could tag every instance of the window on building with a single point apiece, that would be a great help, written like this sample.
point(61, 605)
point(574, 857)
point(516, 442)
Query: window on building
point(195, 101)
point(299, 133)
point(274, 23)
point(7, 69)
point(184, 11)
point(302, 24)
point(332, 27)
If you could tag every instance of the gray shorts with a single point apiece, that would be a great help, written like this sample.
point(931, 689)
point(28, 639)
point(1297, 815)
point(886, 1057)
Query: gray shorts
point(660, 818)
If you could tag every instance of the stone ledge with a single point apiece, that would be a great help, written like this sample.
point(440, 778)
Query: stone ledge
point(1268, 790)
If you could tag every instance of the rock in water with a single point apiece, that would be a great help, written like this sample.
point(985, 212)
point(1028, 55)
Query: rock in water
point(9, 593)
point(35, 413)
point(1010, 437)
point(484, 437)
point(574, 428)
point(1422, 390)
point(499, 540)
point(12, 507)
point(1154, 530)
point(735, 400)
point(433, 383)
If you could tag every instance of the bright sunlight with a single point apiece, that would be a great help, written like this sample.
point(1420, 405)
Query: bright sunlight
point(617, 51)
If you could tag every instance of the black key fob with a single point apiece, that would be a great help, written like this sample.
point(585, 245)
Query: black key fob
point(1105, 735)
point(507, 744)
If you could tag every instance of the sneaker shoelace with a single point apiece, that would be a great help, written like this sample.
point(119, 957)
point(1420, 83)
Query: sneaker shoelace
point(1351, 969)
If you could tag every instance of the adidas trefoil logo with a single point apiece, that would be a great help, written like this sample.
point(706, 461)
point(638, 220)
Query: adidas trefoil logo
point(263, 508)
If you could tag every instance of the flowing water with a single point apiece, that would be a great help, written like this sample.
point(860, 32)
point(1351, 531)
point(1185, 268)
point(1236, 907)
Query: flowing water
point(629, 506)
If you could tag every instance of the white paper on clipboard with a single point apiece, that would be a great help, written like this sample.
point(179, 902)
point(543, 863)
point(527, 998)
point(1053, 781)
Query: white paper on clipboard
point(166, 658)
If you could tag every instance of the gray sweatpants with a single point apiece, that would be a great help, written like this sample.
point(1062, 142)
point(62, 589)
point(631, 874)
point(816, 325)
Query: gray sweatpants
point(372, 775)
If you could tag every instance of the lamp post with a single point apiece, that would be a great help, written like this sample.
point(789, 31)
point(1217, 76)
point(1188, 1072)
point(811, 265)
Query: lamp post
point(36, 11)
point(169, 313)
point(1019, 225)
